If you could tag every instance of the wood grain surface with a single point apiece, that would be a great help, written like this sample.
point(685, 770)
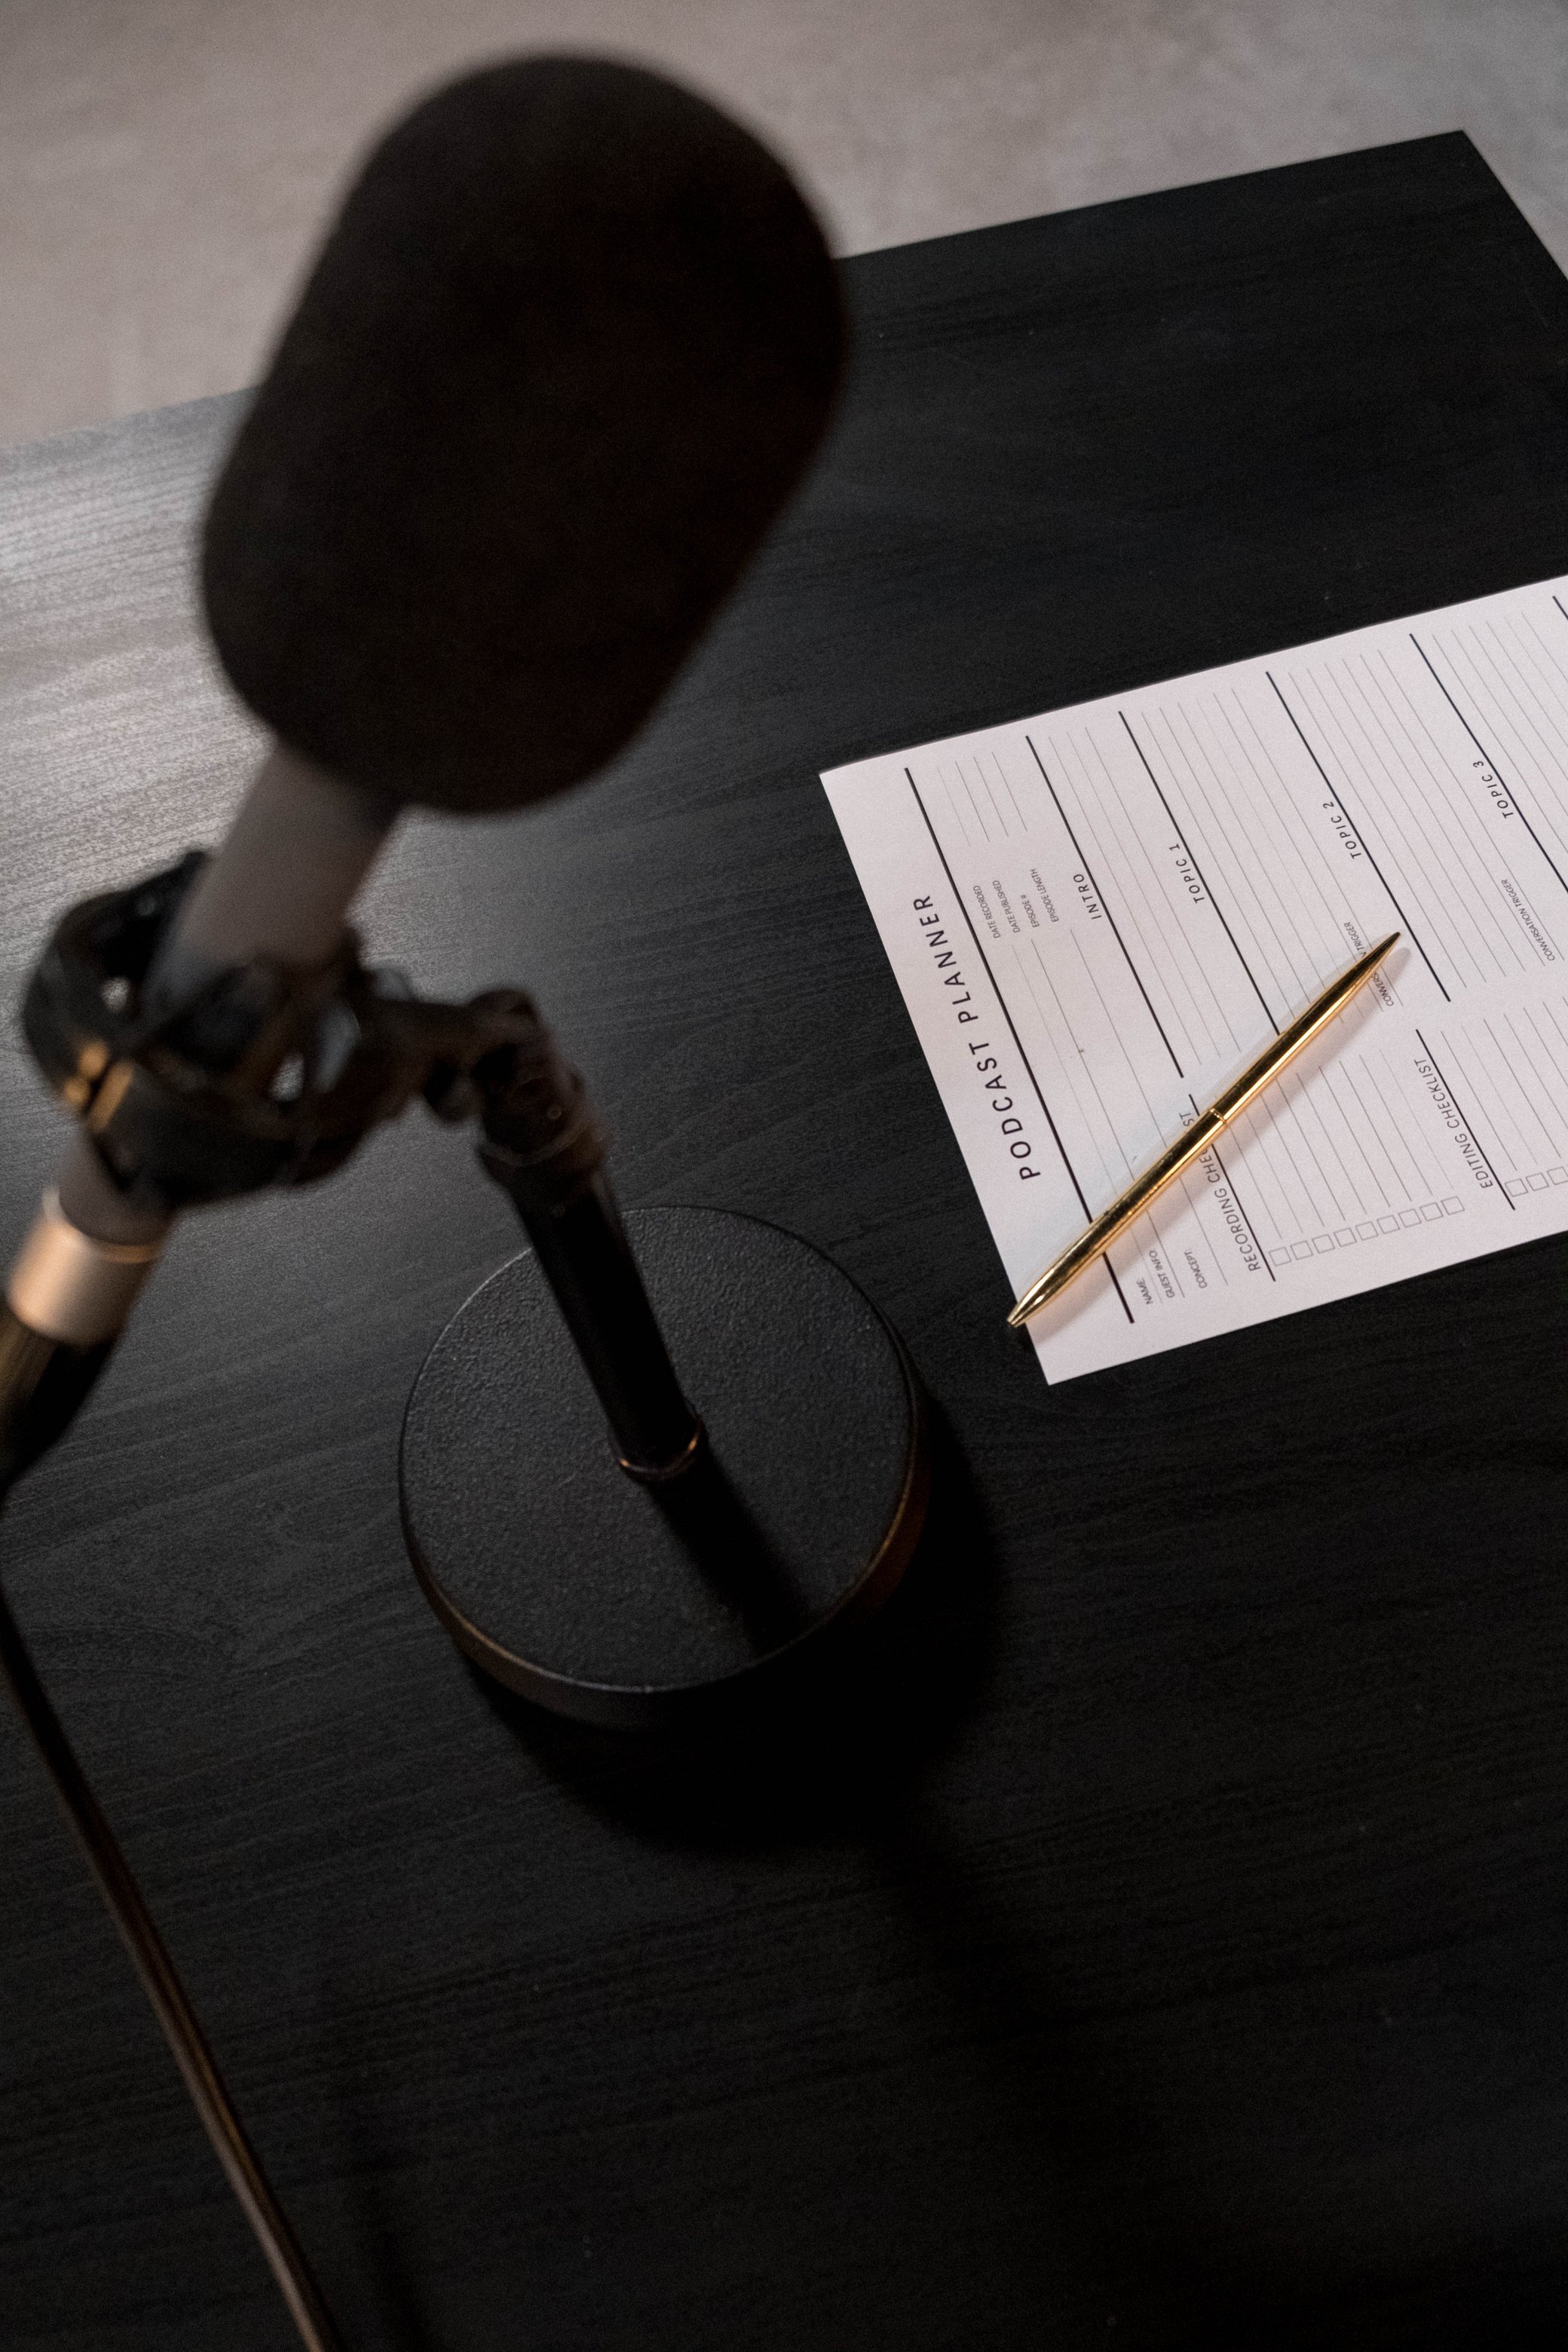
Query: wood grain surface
point(1157, 1934)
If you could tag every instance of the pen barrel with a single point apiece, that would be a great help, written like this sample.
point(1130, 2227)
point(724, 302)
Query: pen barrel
point(1113, 1221)
point(1209, 1124)
point(1274, 1060)
point(1297, 1034)
point(1190, 1145)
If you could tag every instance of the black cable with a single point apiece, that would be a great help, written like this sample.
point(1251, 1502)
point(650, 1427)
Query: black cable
point(170, 2004)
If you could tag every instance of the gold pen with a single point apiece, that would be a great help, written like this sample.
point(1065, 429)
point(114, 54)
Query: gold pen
point(1204, 1132)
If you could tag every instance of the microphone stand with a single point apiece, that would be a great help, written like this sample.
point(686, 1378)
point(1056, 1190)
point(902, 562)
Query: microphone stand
point(188, 1108)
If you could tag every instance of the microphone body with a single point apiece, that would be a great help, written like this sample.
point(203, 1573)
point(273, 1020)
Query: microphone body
point(570, 345)
point(567, 350)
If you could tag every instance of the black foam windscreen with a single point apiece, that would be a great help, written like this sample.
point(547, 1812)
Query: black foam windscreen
point(569, 346)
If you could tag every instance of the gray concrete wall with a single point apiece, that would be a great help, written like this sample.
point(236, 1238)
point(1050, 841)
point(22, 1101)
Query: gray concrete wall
point(165, 164)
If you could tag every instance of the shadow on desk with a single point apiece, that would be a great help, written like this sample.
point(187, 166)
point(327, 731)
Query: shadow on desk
point(841, 1754)
point(829, 1748)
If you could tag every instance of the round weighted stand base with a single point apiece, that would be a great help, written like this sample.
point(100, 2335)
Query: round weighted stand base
point(623, 1603)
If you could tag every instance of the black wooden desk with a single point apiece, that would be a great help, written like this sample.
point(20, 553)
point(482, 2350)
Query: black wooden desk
point(1164, 1937)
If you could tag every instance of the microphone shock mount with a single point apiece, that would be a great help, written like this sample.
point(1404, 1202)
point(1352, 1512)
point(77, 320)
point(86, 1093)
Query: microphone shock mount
point(267, 1077)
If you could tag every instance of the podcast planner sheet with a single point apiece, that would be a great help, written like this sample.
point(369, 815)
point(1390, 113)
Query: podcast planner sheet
point(1099, 917)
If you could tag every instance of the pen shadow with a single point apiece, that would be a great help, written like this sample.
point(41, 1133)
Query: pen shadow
point(841, 1751)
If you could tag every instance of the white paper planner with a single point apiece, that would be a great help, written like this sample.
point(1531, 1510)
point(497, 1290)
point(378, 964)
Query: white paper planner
point(1097, 916)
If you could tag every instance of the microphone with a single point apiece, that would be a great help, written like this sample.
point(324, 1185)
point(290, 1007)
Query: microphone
point(563, 357)
point(570, 345)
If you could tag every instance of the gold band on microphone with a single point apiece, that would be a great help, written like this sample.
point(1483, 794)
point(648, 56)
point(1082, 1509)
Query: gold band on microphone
point(67, 1287)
